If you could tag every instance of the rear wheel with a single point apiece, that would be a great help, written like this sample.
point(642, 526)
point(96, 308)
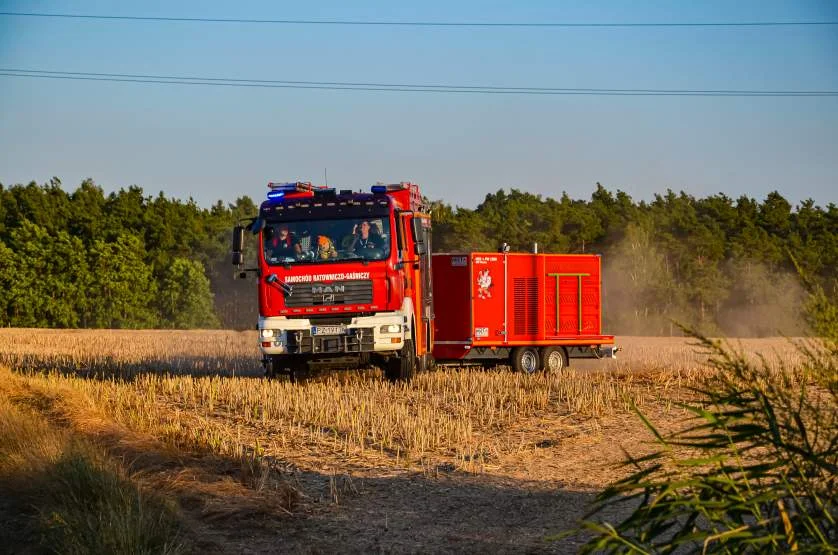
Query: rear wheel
point(526, 360)
point(402, 367)
point(424, 363)
point(553, 359)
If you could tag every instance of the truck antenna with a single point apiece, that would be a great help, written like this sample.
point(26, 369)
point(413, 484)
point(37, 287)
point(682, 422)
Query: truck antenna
point(326, 176)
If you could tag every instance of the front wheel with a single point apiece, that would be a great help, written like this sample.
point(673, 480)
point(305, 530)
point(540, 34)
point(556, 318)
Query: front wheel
point(402, 367)
point(277, 365)
point(526, 360)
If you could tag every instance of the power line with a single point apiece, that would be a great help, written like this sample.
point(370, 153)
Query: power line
point(403, 85)
point(398, 87)
point(419, 23)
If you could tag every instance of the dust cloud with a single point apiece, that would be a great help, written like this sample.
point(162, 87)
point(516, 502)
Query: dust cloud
point(643, 295)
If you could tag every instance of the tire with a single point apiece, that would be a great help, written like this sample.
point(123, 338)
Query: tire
point(272, 367)
point(277, 366)
point(402, 367)
point(526, 360)
point(425, 363)
point(268, 364)
point(553, 359)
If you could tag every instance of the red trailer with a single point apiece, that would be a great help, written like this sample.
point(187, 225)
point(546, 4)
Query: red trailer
point(533, 311)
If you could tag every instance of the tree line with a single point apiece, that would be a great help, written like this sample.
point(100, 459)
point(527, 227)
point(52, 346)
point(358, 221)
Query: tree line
point(131, 260)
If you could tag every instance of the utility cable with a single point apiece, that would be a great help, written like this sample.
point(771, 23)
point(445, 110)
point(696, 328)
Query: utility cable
point(399, 23)
point(398, 87)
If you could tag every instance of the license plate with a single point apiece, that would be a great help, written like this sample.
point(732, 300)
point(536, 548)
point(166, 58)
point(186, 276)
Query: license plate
point(328, 330)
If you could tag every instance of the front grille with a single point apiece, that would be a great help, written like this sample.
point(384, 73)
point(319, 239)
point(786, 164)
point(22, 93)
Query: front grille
point(359, 340)
point(326, 294)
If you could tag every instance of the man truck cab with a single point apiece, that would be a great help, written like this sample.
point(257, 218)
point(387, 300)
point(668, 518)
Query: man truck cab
point(344, 277)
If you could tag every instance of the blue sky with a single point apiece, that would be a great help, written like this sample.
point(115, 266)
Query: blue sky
point(219, 143)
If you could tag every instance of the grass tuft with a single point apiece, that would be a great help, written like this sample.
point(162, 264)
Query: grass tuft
point(68, 497)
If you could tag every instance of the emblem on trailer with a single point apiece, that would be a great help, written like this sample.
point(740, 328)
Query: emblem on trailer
point(484, 284)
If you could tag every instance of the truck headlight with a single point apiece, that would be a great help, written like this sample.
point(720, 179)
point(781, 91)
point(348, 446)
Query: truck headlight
point(391, 328)
point(267, 333)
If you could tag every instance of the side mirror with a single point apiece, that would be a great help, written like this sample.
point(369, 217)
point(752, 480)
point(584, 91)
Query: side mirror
point(418, 233)
point(420, 249)
point(256, 226)
point(238, 245)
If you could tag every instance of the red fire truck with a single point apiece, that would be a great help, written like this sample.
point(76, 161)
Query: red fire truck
point(347, 278)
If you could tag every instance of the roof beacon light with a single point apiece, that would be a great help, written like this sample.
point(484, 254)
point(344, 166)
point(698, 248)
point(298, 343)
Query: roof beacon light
point(274, 194)
point(380, 188)
point(291, 187)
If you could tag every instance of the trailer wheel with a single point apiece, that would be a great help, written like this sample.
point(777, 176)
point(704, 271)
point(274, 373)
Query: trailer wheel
point(402, 367)
point(526, 359)
point(553, 359)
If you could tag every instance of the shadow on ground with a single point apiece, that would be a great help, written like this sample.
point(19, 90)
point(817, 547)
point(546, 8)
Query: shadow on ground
point(110, 367)
point(456, 513)
point(107, 367)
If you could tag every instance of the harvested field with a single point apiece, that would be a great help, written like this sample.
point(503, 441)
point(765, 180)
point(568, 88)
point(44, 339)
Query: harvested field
point(457, 460)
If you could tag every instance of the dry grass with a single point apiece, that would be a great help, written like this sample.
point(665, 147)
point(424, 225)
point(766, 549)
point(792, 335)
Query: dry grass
point(126, 353)
point(187, 389)
point(67, 495)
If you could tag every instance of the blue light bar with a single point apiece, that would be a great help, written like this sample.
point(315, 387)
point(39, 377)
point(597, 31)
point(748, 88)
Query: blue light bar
point(275, 194)
point(389, 188)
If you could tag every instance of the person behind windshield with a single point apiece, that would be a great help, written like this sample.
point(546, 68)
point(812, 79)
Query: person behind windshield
point(283, 244)
point(366, 237)
point(325, 248)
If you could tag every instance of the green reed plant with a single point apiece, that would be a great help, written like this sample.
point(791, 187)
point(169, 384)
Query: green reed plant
point(754, 469)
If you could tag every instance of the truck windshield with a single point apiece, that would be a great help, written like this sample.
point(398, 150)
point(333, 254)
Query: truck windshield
point(318, 241)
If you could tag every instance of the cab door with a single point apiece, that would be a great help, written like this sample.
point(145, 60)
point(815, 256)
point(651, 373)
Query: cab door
point(417, 269)
point(427, 293)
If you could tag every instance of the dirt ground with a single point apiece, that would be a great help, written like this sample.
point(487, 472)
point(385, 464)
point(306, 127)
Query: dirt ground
point(535, 498)
point(518, 508)
point(518, 504)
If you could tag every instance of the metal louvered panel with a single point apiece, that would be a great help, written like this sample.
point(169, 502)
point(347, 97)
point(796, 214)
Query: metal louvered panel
point(525, 306)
